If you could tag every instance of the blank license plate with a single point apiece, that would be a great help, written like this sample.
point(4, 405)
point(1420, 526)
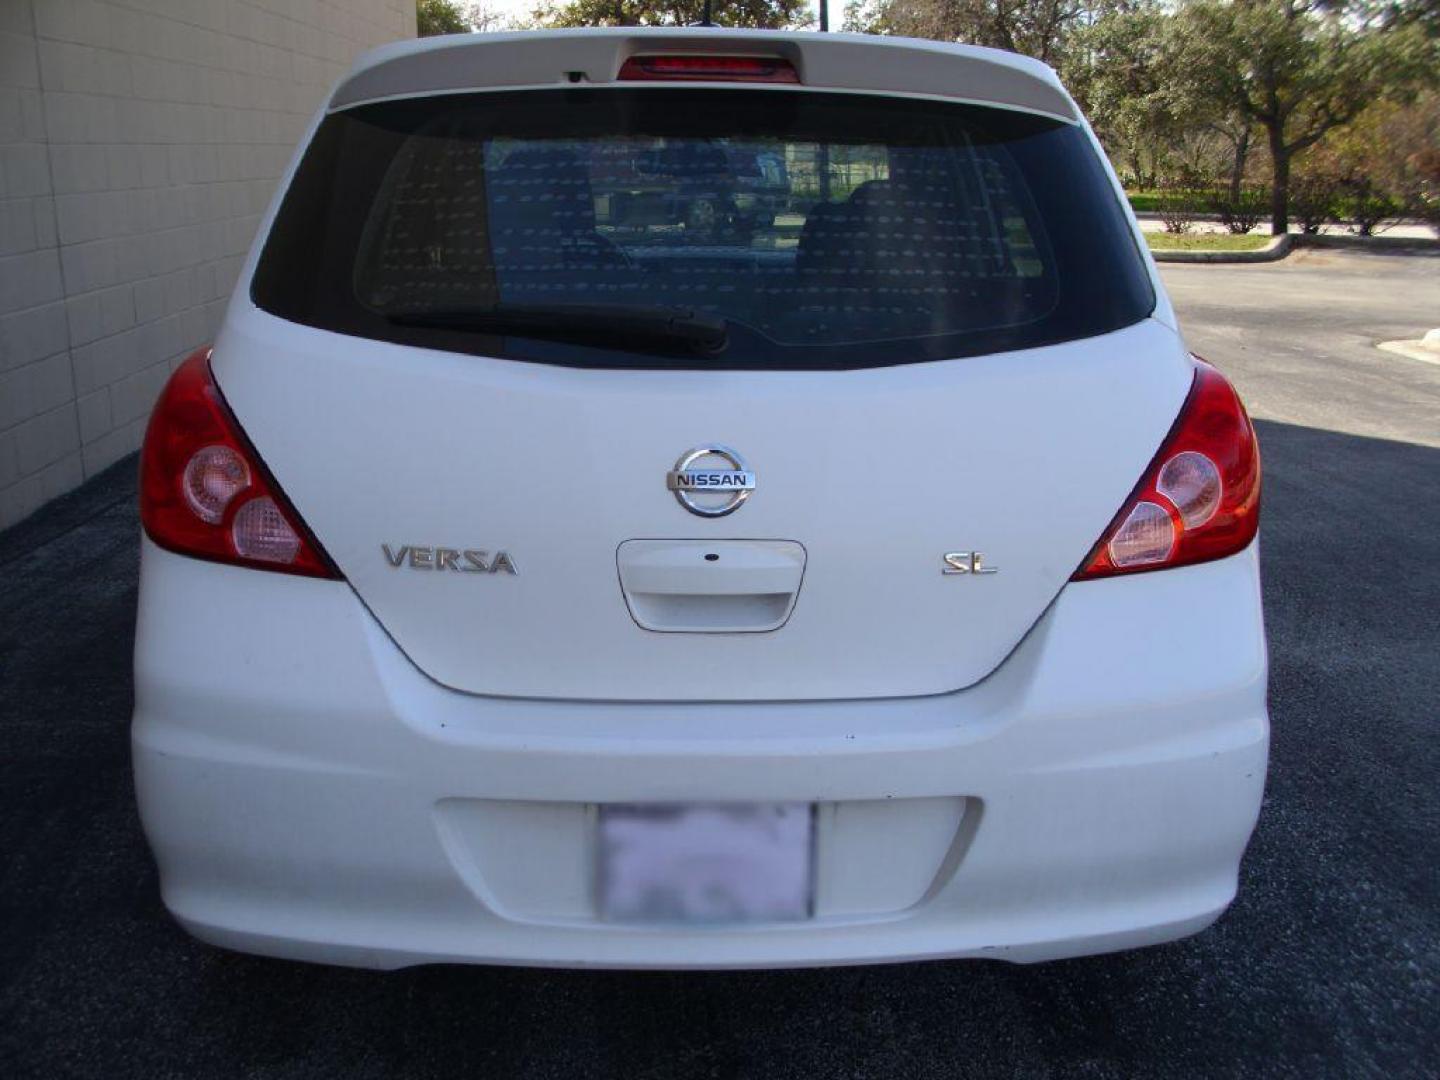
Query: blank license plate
point(706, 862)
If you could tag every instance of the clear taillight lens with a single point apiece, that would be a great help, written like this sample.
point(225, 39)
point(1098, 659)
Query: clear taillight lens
point(1145, 536)
point(1191, 481)
point(1200, 497)
point(260, 531)
point(204, 491)
point(213, 476)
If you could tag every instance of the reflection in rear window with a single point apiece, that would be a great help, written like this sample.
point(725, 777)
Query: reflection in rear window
point(823, 230)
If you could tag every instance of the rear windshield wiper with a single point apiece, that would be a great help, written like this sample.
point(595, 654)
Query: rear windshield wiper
point(609, 324)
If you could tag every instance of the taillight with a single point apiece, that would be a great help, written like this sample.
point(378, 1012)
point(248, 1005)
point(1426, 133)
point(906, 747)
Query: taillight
point(769, 69)
point(204, 491)
point(1199, 499)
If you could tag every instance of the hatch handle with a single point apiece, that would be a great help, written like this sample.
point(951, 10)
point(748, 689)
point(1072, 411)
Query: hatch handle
point(710, 586)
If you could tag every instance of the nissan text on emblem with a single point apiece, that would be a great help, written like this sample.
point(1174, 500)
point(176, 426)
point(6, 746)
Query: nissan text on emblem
point(711, 480)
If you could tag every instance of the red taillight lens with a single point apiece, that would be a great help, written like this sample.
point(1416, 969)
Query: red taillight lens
point(770, 69)
point(204, 491)
point(1200, 497)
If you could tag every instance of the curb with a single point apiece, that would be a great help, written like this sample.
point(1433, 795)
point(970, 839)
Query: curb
point(1281, 246)
point(1278, 248)
point(1390, 245)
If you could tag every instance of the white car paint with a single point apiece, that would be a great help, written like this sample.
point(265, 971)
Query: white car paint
point(308, 793)
point(930, 459)
point(405, 766)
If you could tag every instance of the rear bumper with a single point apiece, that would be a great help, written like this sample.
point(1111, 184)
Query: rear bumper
point(309, 794)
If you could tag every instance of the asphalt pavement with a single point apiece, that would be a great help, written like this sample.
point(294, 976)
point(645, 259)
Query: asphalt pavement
point(1327, 965)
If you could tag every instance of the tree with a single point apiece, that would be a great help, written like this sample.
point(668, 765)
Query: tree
point(1116, 68)
point(1381, 159)
point(1236, 129)
point(434, 17)
point(483, 19)
point(1034, 27)
point(448, 17)
point(755, 14)
point(1294, 70)
point(1123, 68)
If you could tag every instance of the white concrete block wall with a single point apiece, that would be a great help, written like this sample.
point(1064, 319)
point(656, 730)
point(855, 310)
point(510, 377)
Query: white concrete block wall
point(139, 142)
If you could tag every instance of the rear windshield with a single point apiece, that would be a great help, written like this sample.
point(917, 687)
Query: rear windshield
point(702, 228)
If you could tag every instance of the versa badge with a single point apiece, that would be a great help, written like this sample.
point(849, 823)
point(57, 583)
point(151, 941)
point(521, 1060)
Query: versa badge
point(463, 560)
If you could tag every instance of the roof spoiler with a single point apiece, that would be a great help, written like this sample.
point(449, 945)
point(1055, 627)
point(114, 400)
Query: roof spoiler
point(848, 62)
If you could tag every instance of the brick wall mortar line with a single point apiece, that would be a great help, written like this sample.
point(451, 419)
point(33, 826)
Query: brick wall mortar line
point(54, 213)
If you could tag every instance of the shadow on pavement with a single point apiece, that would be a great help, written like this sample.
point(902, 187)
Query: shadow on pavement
point(1325, 966)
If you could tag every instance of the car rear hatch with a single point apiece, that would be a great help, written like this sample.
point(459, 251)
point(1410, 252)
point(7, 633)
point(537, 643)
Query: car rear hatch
point(487, 323)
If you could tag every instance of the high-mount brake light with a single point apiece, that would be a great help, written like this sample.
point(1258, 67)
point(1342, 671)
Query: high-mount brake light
point(757, 69)
point(204, 491)
point(1199, 499)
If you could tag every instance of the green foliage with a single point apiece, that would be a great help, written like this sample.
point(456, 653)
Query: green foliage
point(1293, 69)
point(1390, 150)
point(1180, 204)
point(1117, 67)
point(1240, 210)
point(861, 17)
point(1363, 205)
point(439, 17)
point(1038, 28)
point(772, 14)
point(1313, 201)
point(1284, 63)
point(1425, 202)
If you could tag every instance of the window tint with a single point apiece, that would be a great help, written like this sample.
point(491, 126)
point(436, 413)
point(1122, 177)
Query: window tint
point(823, 230)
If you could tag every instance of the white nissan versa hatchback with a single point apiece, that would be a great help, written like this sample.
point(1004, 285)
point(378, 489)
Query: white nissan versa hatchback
point(689, 498)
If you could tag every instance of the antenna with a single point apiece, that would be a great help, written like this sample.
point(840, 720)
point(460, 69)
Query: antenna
point(705, 18)
point(824, 16)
